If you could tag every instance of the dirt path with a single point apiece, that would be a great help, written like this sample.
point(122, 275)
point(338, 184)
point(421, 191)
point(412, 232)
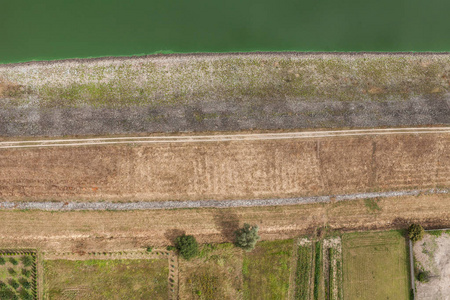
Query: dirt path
point(216, 137)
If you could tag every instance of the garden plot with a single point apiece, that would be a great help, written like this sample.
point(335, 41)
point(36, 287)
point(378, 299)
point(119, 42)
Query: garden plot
point(432, 254)
point(18, 275)
point(375, 266)
point(332, 268)
point(303, 270)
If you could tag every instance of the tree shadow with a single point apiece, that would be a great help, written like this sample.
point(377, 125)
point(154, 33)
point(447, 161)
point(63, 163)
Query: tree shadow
point(227, 222)
point(172, 234)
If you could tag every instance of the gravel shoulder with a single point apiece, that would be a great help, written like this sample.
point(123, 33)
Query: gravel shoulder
point(177, 93)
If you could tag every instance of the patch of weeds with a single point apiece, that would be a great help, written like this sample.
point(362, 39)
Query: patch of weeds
point(372, 204)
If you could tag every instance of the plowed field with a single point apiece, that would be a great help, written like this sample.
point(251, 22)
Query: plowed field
point(227, 169)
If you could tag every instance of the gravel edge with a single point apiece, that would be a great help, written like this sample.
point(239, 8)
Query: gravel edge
point(112, 206)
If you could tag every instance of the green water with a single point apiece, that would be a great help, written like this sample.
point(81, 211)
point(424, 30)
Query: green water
point(54, 29)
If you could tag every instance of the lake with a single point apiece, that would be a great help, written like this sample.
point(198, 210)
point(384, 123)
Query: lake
point(56, 29)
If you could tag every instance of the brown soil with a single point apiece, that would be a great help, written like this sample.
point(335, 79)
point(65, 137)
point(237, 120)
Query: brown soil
point(227, 170)
point(108, 231)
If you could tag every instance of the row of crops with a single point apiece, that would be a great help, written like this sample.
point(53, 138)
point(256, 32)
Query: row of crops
point(318, 272)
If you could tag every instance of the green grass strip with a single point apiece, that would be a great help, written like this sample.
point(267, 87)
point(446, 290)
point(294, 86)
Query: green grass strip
point(317, 270)
point(330, 273)
point(302, 274)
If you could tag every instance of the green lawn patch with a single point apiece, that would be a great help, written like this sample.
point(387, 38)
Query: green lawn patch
point(266, 270)
point(303, 272)
point(106, 279)
point(318, 264)
point(375, 266)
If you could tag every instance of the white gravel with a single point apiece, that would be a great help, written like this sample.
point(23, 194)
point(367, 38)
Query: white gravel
point(73, 206)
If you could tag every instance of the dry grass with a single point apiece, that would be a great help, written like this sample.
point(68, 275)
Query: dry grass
point(227, 170)
point(109, 231)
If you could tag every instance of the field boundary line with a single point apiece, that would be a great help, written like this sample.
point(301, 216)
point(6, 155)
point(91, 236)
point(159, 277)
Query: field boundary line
point(217, 138)
point(124, 206)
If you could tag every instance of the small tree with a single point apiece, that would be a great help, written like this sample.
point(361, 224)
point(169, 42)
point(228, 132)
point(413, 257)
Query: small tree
point(423, 276)
point(415, 232)
point(13, 283)
point(27, 260)
point(13, 261)
point(25, 283)
point(26, 272)
point(187, 246)
point(2, 261)
point(247, 237)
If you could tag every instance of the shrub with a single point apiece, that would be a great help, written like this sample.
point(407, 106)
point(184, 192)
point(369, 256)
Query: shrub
point(171, 248)
point(247, 237)
point(13, 261)
point(25, 283)
point(7, 293)
point(26, 272)
point(423, 276)
point(2, 261)
point(187, 246)
point(13, 283)
point(11, 271)
point(149, 249)
point(27, 260)
point(415, 232)
point(25, 295)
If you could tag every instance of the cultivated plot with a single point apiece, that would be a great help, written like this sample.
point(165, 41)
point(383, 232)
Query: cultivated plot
point(375, 266)
point(106, 279)
point(227, 170)
point(18, 275)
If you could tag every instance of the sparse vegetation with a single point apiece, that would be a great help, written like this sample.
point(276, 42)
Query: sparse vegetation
point(415, 232)
point(247, 237)
point(187, 246)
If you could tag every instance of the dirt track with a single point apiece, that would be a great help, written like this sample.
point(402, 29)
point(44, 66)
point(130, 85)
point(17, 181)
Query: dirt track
point(105, 230)
point(234, 169)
